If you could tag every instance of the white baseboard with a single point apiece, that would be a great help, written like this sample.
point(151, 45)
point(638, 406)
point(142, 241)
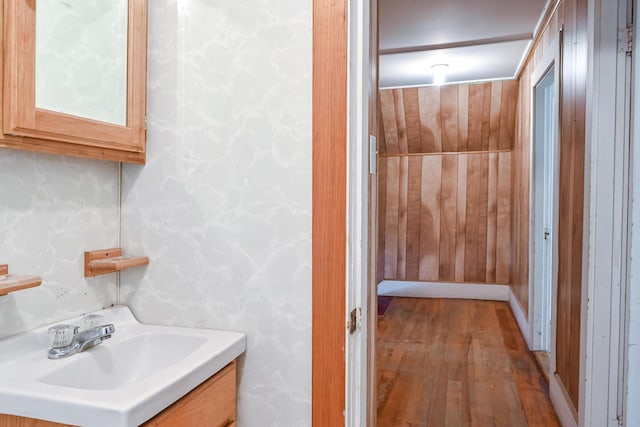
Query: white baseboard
point(523, 323)
point(560, 404)
point(444, 290)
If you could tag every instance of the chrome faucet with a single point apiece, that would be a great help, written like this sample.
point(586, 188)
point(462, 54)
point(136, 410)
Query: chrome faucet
point(66, 340)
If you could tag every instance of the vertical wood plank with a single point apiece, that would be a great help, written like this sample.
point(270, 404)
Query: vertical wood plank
point(476, 91)
point(449, 194)
point(414, 203)
point(461, 217)
point(401, 120)
point(503, 219)
point(388, 110)
point(412, 121)
point(508, 114)
point(486, 116)
point(382, 143)
point(463, 117)
point(494, 121)
point(430, 218)
point(476, 223)
point(382, 216)
point(430, 119)
point(402, 217)
point(449, 114)
point(492, 218)
point(391, 226)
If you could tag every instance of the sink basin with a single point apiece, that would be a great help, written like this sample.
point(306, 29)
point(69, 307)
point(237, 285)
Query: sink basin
point(124, 381)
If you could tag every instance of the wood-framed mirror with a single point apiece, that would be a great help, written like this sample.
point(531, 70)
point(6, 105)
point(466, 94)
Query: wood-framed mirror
point(75, 73)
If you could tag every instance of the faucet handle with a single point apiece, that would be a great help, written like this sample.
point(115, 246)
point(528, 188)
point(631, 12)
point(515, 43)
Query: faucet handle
point(91, 321)
point(61, 335)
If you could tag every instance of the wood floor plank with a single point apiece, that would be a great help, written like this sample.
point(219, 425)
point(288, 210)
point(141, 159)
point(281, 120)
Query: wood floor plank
point(444, 362)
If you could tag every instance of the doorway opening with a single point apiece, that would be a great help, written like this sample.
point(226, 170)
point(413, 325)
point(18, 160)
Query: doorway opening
point(544, 189)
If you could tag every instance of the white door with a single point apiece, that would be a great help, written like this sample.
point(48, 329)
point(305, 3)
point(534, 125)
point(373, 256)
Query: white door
point(359, 367)
point(543, 233)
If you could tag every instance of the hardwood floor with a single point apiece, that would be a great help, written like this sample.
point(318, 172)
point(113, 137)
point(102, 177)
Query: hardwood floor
point(443, 362)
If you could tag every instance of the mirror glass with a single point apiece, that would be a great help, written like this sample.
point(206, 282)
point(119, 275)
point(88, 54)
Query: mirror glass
point(81, 58)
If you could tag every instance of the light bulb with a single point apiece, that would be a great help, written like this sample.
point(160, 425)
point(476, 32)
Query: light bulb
point(439, 71)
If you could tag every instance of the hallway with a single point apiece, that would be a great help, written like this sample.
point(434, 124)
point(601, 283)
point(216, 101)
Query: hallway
point(447, 362)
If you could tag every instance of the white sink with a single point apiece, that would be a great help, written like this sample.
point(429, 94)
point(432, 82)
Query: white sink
point(124, 381)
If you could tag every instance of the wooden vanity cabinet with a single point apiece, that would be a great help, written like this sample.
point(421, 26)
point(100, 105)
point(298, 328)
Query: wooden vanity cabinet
point(31, 127)
point(211, 404)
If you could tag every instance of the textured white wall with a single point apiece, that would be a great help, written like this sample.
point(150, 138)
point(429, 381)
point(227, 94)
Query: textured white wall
point(52, 209)
point(223, 206)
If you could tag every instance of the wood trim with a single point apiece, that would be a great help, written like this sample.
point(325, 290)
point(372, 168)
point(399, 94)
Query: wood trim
point(537, 37)
point(329, 211)
point(446, 153)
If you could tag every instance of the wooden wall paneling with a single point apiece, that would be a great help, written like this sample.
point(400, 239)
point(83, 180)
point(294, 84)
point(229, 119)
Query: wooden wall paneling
point(430, 218)
point(412, 121)
point(414, 205)
point(486, 114)
point(476, 93)
point(520, 195)
point(492, 218)
point(475, 267)
point(461, 217)
point(503, 219)
point(508, 114)
point(401, 120)
point(448, 219)
point(572, 151)
point(381, 140)
point(430, 119)
point(449, 117)
point(452, 118)
point(391, 216)
point(463, 117)
point(382, 216)
point(402, 217)
point(494, 115)
point(389, 124)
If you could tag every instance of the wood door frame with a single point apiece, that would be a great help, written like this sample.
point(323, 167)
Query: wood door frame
point(329, 123)
point(344, 92)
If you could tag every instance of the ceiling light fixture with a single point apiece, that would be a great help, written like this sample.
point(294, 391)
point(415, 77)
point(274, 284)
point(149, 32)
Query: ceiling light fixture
point(439, 71)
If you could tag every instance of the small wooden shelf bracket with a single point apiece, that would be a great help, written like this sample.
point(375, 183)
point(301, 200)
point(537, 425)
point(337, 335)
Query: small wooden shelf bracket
point(107, 261)
point(14, 282)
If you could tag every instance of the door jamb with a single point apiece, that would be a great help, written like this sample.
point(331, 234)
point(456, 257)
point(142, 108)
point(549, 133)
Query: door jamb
point(550, 59)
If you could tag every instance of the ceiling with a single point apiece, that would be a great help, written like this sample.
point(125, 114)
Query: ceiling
point(477, 39)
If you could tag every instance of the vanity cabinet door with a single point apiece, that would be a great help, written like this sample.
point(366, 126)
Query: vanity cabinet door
point(211, 404)
point(75, 75)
